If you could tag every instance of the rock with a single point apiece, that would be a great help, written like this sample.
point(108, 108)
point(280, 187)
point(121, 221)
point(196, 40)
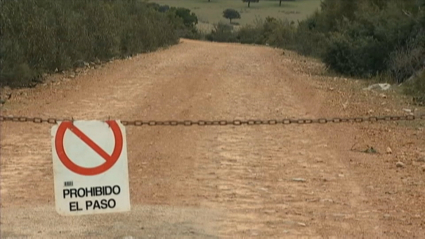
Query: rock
point(80, 63)
point(384, 96)
point(298, 180)
point(389, 150)
point(301, 224)
point(370, 150)
point(6, 96)
point(400, 164)
point(382, 87)
point(407, 110)
point(423, 168)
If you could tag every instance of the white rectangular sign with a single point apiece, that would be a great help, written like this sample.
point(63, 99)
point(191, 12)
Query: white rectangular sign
point(90, 167)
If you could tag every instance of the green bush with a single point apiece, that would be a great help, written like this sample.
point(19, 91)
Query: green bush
point(222, 33)
point(280, 33)
point(310, 43)
point(183, 20)
point(354, 57)
point(416, 88)
point(42, 36)
point(271, 31)
point(409, 58)
point(251, 34)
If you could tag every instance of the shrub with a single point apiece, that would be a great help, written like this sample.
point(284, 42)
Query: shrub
point(251, 34)
point(362, 47)
point(42, 36)
point(407, 59)
point(279, 33)
point(354, 57)
point(222, 33)
point(416, 88)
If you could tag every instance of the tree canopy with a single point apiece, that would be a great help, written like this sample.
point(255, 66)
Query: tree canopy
point(231, 14)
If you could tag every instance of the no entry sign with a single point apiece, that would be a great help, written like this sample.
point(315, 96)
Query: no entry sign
point(90, 167)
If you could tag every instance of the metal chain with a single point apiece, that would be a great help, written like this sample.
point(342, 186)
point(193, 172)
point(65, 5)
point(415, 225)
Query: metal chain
point(229, 122)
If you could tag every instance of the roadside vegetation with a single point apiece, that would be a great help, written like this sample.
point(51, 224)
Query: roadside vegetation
point(46, 36)
point(370, 39)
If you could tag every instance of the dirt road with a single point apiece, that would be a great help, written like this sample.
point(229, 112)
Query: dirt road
point(223, 181)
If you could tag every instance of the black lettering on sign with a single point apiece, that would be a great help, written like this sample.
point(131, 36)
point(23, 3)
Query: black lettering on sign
point(68, 183)
point(91, 192)
point(116, 190)
point(73, 206)
point(102, 204)
point(65, 192)
point(88, 204)
point(111, 203)
point(97, 205)
point(73, 192)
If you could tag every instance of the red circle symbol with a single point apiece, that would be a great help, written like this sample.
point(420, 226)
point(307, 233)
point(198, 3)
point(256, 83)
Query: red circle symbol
point(110, 159)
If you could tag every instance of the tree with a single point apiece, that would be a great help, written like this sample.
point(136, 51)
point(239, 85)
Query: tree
point(231, 14)
point(280, 1)
point(189, 18)
point(249, 1)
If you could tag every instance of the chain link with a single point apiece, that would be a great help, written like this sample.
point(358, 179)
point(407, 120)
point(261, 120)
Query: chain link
point(229, 122)
point(36, 120)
